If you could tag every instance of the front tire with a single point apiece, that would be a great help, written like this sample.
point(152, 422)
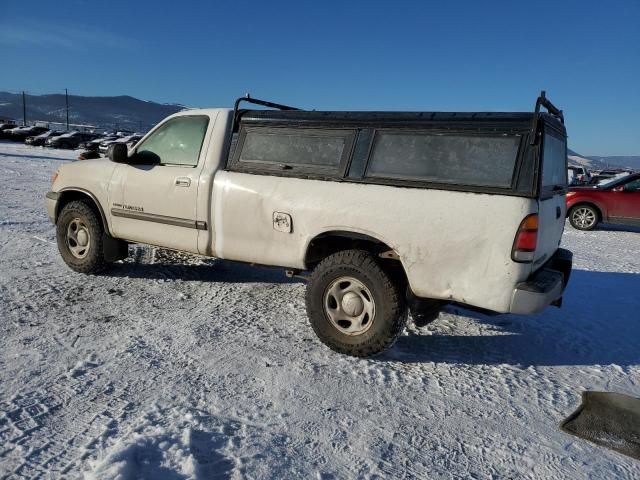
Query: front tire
point(353, 305)
point(584, 217)
point(79, 235)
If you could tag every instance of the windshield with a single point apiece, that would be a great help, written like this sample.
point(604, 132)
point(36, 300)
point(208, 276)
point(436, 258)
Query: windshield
point(613, 180)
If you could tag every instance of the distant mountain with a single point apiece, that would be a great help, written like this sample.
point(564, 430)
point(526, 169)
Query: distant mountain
point(576, 159)
point(631, 161)
point(594, 162)
point(121, 112)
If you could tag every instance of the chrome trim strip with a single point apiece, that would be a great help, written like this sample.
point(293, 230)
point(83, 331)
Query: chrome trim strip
point(152, 217)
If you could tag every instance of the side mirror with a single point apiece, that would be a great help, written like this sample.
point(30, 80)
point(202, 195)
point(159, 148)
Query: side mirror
point(117, 152)
point(619, 189)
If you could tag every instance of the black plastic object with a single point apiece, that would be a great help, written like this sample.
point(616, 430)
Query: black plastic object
point(608, 419)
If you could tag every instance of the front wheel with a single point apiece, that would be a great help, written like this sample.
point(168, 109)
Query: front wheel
point(79, 235)
point(353, 305)
point(583, 217)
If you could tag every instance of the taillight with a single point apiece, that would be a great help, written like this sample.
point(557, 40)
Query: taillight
point(524, 245)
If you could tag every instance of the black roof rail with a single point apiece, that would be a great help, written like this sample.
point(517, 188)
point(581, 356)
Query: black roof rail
point(247, 98)
point(543, 101)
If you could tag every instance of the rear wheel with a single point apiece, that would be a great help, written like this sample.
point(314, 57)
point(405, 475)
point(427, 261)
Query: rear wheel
point(79, 234)
point(584, 217)
point(353, 305)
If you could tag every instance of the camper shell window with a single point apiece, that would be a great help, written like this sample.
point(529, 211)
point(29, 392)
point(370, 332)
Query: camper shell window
point(460, 158)
point(309, 150)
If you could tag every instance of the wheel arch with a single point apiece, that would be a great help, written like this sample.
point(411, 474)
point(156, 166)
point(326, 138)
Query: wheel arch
point(333, 241)
point(67, 195)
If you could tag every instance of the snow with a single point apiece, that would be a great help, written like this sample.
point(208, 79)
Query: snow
point(178, 367)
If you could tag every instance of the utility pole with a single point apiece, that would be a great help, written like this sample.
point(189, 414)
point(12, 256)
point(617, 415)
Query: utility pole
point(66, 98)
point(24, 109)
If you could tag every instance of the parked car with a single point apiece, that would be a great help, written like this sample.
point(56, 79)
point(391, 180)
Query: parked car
point(377, 207)
point(38, 140)
point(604, 175)
point(21, 134)
point(95, 143)
point(129, 140)
point(70, 140)
point(5, 133)
point(616, 201)
point(6, 126)
point(578, 175)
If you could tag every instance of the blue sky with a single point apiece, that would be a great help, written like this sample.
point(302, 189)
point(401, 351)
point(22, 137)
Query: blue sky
point(420, 55)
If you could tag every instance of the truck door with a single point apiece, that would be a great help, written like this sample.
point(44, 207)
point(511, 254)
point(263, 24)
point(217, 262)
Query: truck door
point(551, 203)
point(154, 196)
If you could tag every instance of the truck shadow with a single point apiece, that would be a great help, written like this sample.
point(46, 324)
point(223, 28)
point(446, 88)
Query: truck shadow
point(598, 324)
point(211, 271)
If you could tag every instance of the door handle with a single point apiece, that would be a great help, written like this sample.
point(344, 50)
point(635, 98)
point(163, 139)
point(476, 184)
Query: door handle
point(183, 182)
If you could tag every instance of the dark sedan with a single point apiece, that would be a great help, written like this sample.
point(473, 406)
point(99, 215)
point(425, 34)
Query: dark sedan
point(93, 145)
point(38, 140)
point(21, 134)
point(6, 129)
point(614, 201)
point(69, 140)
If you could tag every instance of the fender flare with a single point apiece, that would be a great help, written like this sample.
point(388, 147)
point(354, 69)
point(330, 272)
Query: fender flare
point(88, 194)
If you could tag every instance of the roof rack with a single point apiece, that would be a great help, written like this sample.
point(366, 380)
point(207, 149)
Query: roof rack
point(247, 98)
point(542, 101)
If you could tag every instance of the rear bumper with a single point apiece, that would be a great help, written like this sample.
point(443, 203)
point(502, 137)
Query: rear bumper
point(545, 286)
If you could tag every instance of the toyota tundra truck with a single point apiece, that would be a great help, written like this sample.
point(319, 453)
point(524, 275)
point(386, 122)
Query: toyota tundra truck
point(381, 213)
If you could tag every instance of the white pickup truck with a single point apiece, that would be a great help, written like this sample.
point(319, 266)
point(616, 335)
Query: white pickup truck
point(381, 212)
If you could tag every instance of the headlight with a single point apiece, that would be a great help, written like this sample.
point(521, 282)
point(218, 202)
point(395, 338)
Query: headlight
point(54, 177)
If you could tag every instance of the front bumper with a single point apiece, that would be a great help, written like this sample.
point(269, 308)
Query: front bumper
point(545, 286)
point(51, 200)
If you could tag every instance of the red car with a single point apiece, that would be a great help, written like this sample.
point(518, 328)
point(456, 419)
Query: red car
point(614, 201)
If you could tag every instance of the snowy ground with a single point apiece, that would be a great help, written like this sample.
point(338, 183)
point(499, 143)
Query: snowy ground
point(174, 367)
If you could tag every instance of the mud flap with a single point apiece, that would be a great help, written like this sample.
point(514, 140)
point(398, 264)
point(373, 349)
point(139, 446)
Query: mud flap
point(114, 249)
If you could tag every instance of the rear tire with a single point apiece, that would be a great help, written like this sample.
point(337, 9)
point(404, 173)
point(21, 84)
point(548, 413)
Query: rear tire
point(79, 235)
point(584, 217)
point(353, 305)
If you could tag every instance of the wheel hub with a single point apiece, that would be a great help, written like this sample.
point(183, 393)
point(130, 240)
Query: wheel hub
point(78, 238)
point(349, 306)
point(584, 217)
point(352, 304)
point(83, 238)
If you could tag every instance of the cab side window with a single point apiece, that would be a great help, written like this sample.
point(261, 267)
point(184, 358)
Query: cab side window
point(177, 142)
point(633, 186)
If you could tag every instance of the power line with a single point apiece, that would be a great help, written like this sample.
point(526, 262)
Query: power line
point(66, 98)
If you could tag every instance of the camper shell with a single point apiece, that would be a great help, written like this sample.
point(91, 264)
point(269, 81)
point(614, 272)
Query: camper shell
point(361, 131)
